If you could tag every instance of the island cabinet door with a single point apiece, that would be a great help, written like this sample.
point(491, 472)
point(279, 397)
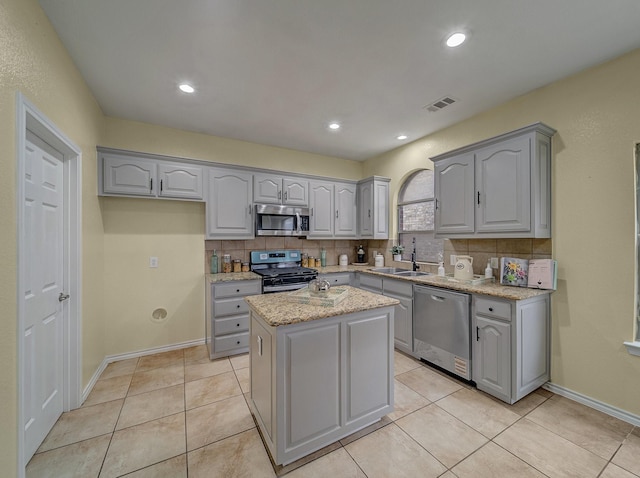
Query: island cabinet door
point(311, 384)
point(369, 366)
point(261, 349)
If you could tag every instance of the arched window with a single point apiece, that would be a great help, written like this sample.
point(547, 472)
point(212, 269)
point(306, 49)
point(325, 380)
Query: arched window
point(416, 208)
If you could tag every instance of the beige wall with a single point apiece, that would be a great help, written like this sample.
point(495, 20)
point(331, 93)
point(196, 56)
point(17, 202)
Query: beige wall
point(33, 61)
point(596, 115)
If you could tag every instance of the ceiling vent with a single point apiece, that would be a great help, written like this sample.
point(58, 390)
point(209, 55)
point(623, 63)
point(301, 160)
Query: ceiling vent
point(439, 104)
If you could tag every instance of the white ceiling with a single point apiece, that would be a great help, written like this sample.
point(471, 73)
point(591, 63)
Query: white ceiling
point(277, 72)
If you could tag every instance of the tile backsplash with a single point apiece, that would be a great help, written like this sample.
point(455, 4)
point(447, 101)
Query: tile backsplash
point(480, 249)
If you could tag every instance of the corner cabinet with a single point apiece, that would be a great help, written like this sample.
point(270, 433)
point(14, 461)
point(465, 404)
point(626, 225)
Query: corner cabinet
point(373, 208)
point(124, 175)
point(274, 189)
point(496, 188)
point(510, 346)
point(332, 209)
point(229, 204)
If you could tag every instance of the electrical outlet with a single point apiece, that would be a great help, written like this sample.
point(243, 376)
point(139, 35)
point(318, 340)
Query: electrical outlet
point(153, 262)
point(453, 260)
point(494, 263)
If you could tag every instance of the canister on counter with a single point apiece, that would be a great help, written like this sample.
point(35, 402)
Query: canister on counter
point(237, 265)
point(305, 259)
point(226, 263)
point(245, 267)
point(312, 261)
point(318, 262)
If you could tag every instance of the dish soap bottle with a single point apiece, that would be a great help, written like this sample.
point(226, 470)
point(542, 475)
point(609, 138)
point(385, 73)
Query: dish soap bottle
point(323, 257)
point(488, 272)
point(360, 254)
point(214, 263)
point(441, 269)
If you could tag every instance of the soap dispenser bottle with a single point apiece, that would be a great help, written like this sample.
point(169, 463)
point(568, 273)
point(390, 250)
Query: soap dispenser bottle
point(488, 272)
point(214, 263)
point(441, 269)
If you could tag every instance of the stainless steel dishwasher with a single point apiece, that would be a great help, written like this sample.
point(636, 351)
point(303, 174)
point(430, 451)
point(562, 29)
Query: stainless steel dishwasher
point(442, 329)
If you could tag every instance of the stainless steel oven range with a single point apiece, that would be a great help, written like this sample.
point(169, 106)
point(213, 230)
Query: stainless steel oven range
point(281, 270)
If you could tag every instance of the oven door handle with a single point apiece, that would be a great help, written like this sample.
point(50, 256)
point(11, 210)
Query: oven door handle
point(283, 288)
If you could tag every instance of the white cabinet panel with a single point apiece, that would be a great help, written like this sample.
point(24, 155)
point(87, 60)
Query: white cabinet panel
point(321, 209)
point(129, 176)
point(373, 208)
point(492, 357)
point(229, 205)
point(180, 181)
point(455, 195)
point(274, 189)
point(295, 192)
point(346, 210)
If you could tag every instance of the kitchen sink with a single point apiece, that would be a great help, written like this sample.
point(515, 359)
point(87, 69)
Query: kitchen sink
point(411, 273)
point(390, 270)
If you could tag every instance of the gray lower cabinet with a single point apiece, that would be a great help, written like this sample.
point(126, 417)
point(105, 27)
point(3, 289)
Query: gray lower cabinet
point(403, 314)
point(511, 353)
point(313, 383)
point(403, 321)
point(227, 317)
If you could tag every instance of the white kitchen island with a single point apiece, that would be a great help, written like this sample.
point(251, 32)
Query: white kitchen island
point(319, 373)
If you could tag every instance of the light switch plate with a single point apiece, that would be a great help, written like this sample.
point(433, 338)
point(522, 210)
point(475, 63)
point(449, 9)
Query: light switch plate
point(153, 262)
point(453, 260)
point(494, 263)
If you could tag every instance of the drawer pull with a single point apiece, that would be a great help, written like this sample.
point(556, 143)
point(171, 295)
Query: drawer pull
point(237, 325)
point(238, 342)
point(490, 309)
point(238, 306)
point(237, 290)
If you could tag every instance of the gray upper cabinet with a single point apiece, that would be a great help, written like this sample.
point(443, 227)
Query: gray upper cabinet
point(273, 189)
point(129, 176)
point(126, 175)
point(346, 222)
point(373, 208)
point(179, 180)
point(229, 212)
point(496, 188)
point(321, 205)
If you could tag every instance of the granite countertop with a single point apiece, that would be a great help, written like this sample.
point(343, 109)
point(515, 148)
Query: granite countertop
point(232, 276)
point(490, 288)
point(277, 310)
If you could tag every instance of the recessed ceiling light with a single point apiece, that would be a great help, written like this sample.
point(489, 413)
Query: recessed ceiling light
point(456, 39)
point(401, 137)
point(187, 88)
point(334, 126)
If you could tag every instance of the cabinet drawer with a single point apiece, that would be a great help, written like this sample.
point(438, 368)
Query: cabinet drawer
point(230, 342)
point(236, 289)
point(494, 308)
point(398, 287)
point(338, 279)
point(230, 307)
point(371, 282)
point(231, 325)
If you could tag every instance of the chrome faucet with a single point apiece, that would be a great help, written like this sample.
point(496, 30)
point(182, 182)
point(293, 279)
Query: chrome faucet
point(413, 256)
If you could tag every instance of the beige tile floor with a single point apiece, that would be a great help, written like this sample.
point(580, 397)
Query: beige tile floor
point(177, 414)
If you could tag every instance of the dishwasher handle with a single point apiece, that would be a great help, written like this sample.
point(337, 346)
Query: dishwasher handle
point(437, 298)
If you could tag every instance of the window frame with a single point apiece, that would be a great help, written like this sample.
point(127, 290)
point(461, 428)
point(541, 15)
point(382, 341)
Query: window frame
point(429, 234)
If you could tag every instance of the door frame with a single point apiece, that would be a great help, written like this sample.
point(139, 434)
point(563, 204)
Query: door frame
point(29, 117)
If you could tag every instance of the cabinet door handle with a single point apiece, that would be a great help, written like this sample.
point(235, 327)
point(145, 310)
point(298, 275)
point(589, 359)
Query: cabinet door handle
point(259, 345)
point(285, 195)
point(312, 211)
point(369, 212)
point(436, 201)
point(478, 197)
point(490, 309)
point(161, 185)
point(151, 184)
point(477, 333)
point(336, 214)
point(279, 195)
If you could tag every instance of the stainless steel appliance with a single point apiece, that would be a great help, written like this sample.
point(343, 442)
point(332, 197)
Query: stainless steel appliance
point(442, 329)
point(273, 220)
point(281, 270)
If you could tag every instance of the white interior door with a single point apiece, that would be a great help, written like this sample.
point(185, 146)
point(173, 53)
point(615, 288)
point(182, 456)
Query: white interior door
point(44, 289)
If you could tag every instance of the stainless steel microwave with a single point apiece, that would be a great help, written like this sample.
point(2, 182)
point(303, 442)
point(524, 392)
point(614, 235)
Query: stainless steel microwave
point(273, 220)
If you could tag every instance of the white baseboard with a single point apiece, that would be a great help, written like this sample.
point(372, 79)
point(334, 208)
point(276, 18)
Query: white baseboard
point(596, 404)
point(140, 353)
